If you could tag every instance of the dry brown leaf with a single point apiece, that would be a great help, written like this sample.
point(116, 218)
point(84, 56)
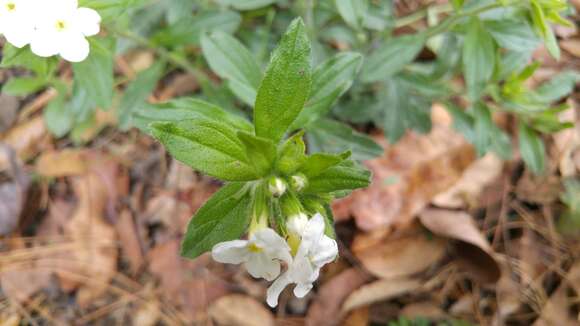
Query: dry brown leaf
point(147, 315)
point(23, 282)
point(357, 317)
point(571, 46)
point(8, 108)
point(409, 175)
point(240, 310)
point(558, 308)
point(567, 143)
point(180, 177)
point(396, 256)
point(168, 210)
point(474, 251)
point(380, 290)
point(468, 189)
point(12, 194)
point(425, 309)
point(67, 162)
point(325, 309)
point(26, 139)
point(129, 238)
point(95, 253)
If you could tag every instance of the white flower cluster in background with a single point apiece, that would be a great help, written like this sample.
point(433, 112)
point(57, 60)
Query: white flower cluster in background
point(50, 27)
point(307, 250)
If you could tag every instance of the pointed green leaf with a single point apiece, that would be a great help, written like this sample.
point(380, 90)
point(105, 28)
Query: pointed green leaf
point(286, 84)
point(317, 163)
point(352, 11)
point(209, 146)
point(392, 57)
point(531, 148)
point(292, 154)
point(478, 58)
point(224, 217)
point(232, 61)
point(260, 151)
point(343, 177)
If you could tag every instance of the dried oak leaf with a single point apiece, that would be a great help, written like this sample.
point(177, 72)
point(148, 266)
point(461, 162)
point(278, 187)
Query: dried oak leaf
point(474, 252)
point(397, 255)
point(408, 176)
point(325, 310)
point(240, 310)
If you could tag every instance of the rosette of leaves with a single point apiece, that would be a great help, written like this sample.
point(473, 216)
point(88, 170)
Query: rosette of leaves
point(247, 156)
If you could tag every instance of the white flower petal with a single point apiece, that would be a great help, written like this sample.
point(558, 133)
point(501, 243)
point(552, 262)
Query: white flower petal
point(297, 224)
point(261, 266)
point(44, 44)
point(74, 47)
point(301, 269)
point(302, 289)
point(230, 252)
point(87, 21)
point(273, 244)
point(325, 251)
point(19, 35)
point(276, 288)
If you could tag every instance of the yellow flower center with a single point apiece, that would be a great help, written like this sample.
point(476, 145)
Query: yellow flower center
point(253, 248)
point(11, 6)
point(293, 243)
point(60, 25)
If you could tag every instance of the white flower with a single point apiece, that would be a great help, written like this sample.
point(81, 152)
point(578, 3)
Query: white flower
point(261, 253)
point(315, 250)
point(17, 21)
point(61, 28)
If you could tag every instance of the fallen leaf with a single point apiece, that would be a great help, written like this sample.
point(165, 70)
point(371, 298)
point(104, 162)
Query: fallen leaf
point(558, 309)
point(12, 194)
point(180, 177)
point(571, 46)
point(26, 139)
point(408, 176)
point(467, 190)
point(130, 243)
point(398, 255)
point(380, 290)
point(542, 189)
point(8, 109)
point(95, 253)
point(474, 252)
point(147, 315)
point(63, 163)
point(325, 309)
point(240, 310)
point(424, 309)
point(357, 317)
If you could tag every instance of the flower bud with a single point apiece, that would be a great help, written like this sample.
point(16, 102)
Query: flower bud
point(298, 182)
point(296, 224)
point(277, 186)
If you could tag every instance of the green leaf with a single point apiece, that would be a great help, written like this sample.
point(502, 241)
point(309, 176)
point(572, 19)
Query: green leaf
point(57, 116)
point(352, 11)
point(260, 151)
point(457, 4)
point(190, 29)
point(246, 4)
point(342, 177)
point(531, 148)
point(483, 128)
point(186, 109)
point(208, 146)
point(543, 29)
point(333, 136)
point(23, 57)
point(557, 88)
point(511, 34)
point(224, 217)
point(232, 61)
point(403, 111)
point(95, 74)
point(292, 154)
point(317, 163)
point(478, 58)
point(286, 84)
point(334, 73)
point(392, 57)
point(137, 92)
point(318, 109)
point(22, 86)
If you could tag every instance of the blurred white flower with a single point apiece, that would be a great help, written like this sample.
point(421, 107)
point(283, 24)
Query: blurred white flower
point(261, 253)
point(315, 250)
point(62, 29)
point(17, 21)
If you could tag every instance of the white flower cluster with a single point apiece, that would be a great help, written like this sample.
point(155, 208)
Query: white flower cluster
point(51, 27)
point(263, 252)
